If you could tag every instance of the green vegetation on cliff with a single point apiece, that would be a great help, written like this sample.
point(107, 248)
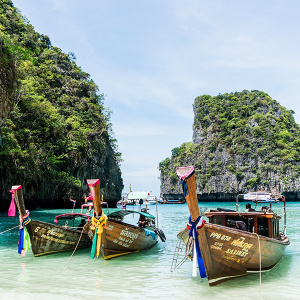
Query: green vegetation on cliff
point(241, 140)
point(59, 132)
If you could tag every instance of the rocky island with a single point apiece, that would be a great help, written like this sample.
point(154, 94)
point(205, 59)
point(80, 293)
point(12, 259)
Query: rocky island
point(243, 140)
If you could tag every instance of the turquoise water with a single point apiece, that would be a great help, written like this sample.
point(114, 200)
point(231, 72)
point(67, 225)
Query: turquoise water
point(140, 275)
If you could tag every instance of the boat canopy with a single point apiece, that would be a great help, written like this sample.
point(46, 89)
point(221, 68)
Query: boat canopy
point(71, 217)
point(121, 213)
point(262, 197)
point(138, 195)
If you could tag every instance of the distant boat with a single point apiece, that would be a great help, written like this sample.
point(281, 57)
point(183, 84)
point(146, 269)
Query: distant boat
point(260, 197)
point(151, 200)
point(233, 243)
point(138, 198)
point(165, 201)
point(47, 238)
point(114, 236)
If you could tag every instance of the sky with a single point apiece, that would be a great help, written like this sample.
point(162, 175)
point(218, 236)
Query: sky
point(152, 58)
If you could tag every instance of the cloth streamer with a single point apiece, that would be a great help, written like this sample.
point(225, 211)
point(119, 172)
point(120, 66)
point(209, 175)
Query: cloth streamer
point(151, 233)
point(24, 239)
point(198, 252)
point(12, 207)
point(99, 225)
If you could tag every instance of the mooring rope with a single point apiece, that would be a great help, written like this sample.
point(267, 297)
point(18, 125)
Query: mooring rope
point(9, 229)
point(75, 248)
point(259, 265)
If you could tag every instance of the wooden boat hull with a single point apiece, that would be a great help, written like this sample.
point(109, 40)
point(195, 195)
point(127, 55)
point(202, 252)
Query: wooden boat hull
point(228, 252)
point(49, 238)
point(119, 238)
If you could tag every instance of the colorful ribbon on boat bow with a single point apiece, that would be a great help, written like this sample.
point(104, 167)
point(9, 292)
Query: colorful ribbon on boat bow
point(193, 231)
point(12, 207)
point(99, 225)
point(24, 239)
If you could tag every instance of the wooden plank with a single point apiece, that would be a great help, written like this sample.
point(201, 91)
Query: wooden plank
point(94, 186)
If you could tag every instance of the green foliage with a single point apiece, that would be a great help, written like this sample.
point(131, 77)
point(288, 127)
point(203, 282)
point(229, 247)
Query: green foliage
point(243, 128)
point(252, 183)
point(60, 119)
point(164, 165)
point(239, 176)
point(173, 177)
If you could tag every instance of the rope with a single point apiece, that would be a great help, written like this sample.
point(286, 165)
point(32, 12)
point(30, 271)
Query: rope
point(9, 229)
point(259, 265)
point(75, 248)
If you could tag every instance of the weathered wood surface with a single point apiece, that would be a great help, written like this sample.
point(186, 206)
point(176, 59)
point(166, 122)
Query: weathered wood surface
point(19, 200)
point(191, 197)
point(230, 252)
point(118, 238)
point(121, 238)
point(94, 186)
point(48, 238)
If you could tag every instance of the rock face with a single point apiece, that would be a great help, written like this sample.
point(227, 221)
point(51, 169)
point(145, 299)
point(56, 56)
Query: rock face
point(241, 141)
point(8, 81)
point(45, 192)
point(58, 134)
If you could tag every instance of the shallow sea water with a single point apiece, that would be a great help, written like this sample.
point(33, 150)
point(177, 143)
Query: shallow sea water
point(140, 275)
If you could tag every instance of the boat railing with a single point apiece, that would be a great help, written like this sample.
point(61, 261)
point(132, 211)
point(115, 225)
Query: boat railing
point(277, 198)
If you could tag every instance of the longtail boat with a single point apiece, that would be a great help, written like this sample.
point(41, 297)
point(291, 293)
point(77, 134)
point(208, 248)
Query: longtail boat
point(46, 238)
point(232, 243)
point(113, 236)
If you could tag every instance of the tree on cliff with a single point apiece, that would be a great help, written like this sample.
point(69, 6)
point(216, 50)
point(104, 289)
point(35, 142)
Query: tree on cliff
point(60, 133)
point(8, 80)
point(243, 140)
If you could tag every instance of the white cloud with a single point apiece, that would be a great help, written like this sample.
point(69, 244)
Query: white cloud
point(153, 58)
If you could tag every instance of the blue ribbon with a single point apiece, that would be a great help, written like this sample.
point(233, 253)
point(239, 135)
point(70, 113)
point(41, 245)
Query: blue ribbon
point(21, 235)
point(185, 188)
point(94, 244)
point(199, 256)
point(21, 239)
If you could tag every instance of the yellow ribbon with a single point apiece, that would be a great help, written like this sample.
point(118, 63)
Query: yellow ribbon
point(99, 224)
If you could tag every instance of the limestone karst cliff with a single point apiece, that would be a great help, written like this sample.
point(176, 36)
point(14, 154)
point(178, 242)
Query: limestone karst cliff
point(59, 132)
point(243, 140)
